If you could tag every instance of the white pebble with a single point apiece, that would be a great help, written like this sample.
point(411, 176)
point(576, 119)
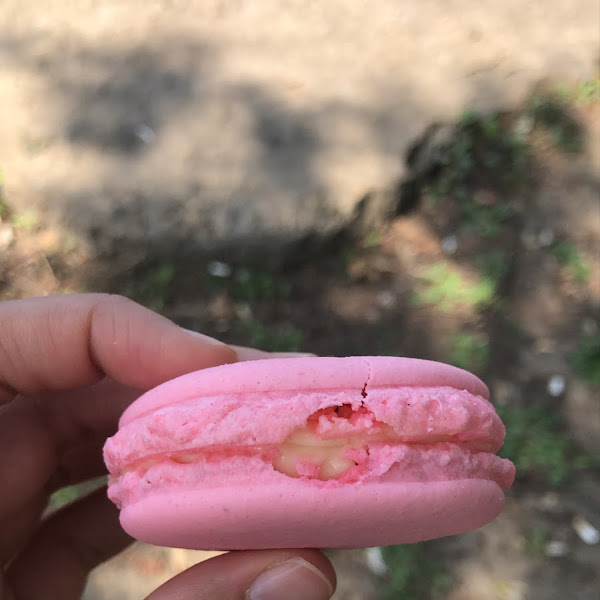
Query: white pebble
point(386, 298)
point(450, 244)
point(220, 269)
point(145, 133)
point(556, 548)
point(556, 385)
point(586, 531)
point(546, 237)
point(375, 561)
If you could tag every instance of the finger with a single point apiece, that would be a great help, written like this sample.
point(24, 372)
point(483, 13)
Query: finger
point(78, 465)
point(252, 575)
point(18, 525)
point(27, 454)
point(85, 415)
point(54, 439)
point(65, 342)
point(66, 548)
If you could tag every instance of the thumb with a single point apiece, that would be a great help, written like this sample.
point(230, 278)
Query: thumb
point(254, 575)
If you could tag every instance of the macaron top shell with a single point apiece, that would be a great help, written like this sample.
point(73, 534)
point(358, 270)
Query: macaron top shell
point(311, 373)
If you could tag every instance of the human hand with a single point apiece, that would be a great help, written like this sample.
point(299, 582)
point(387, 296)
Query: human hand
point(68, 367)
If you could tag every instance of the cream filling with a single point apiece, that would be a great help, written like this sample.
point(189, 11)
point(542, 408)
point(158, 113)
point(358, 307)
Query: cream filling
point(328, 457)
point(332, 442)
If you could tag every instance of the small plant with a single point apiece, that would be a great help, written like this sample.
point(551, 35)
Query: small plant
point(413, 573)
point(448, 290)
point(469, 351)
point(553, 116)
point(257, 286)
point(568, 256)
point(152, 287)
point(371, 240)
point(537, 444)
point(535, 541)
point(588, 91)
point(272, 338)
point(493, 265)
point(586, 359)
point(27, 221)
point(4, 212)
point(482, 155)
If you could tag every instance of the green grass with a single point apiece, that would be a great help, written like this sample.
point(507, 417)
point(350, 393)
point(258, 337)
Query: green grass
point(493, 265)
point(535, 541)
point(272, 338)
point(448, 290)
point(258, 286)
point(553, 116)
point(584, 92)
point(570, 258)
point(537, 443)
point(371, 240)
point(588, 91)
point(4, 210)
point(151, 288)
point(469, 351)
point(413, 574)
point(586, 358)
point(27, 221)
point(482, 155)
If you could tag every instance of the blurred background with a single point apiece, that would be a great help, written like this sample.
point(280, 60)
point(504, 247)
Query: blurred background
point(417, 179)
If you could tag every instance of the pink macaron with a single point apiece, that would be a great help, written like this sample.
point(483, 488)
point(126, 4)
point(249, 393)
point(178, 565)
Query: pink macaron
point(309, 452)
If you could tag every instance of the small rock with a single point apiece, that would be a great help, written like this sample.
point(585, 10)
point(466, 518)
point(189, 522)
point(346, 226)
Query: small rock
point(586, 531)
point(546, 237)
point(243, 311)
point(556, 549)
point(450, 244)
point(220, 269)
point(556, 385)
point(375, 561)
point(145, 133)
point(386, 298)
point(550, 501)
point(7, 236)
point(589, 327)
point(524, 126)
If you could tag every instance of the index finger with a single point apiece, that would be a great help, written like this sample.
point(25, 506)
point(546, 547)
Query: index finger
point(65, 342)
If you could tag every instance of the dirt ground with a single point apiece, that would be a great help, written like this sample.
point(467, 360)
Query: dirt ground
point(362, 297)
point(520, 307)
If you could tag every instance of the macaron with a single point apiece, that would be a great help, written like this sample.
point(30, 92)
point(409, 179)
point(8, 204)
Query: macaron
point(309, 452)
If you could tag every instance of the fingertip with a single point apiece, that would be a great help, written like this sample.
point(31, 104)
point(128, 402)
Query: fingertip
point(227, 354)
point(255, 575)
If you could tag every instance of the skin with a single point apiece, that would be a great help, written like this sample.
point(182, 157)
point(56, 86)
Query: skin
point(69, 366)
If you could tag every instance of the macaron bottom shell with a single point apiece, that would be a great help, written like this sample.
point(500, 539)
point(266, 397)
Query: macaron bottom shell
point(298, 516)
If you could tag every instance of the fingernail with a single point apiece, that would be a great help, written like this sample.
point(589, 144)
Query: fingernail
point(245, 353)
point(205, 338)
point(294, 579)
point(292, 354)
